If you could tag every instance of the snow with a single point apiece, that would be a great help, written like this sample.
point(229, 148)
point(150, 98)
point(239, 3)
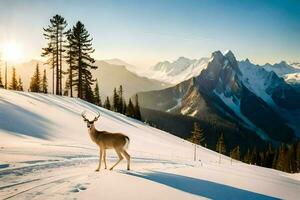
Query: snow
point(46, 153)
point(293, 78)
point(235, 107)
point(255, 78)
point(175, 72)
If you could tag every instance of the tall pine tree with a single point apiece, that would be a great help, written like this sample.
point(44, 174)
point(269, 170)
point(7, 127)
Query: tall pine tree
point(71, 61)
point(82, 49)
point(54, 34)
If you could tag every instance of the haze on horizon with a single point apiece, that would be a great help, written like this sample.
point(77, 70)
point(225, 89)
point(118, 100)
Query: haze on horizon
point(145, 32)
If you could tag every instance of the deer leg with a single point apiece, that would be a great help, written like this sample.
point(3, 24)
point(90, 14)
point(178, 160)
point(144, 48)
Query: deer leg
point(127, 156)
point(104, 158)
point(120, 159)
point(100, 158)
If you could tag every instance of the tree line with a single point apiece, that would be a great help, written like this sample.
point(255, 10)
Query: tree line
point(118, 104)
point(15, 83)
point(286, 157)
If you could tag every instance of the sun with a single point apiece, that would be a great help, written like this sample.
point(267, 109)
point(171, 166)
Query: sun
point(11, 51)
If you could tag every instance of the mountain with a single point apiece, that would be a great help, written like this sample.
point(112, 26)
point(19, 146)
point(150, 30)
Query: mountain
point(233, 93)
point(49, 155)
point(111, 76)
point(108, 75)
point(116, 61)
point(184, 68)
point(282, 68)
point(177, 71)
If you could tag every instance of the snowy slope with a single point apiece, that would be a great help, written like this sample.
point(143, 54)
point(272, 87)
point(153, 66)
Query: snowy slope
point(46, 153)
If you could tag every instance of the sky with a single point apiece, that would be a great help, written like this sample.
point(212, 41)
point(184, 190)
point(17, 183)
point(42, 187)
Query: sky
point(144, 32)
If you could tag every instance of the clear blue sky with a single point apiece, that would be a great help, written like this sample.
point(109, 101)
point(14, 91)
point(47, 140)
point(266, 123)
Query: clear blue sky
point(143, 32)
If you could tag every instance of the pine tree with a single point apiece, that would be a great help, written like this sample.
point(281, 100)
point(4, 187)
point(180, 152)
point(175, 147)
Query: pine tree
point(115, 101)
point(130, 109)
point(35, 84)
point(297, 155)
point(247, 157)
point(44, 83)
point(282, 163)
point(1, 83)
point(137, 111)
point(97, 95)
point(54, 33)
point(71, 60)
point(120, 103)
point(107, 104)
point(81, 49)
point(14, 82)
point(88, 93)
point(20, 84)
point(254, 156)
point(235, 153)
point(124, 111)
point(220, 147)
point(197, 137)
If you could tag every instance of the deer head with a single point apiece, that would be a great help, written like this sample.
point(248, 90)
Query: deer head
point(89, 122)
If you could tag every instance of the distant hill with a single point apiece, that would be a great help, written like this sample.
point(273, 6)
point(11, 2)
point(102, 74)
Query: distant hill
point(108, 75)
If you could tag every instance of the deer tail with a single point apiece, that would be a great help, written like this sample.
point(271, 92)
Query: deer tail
point(127, 142)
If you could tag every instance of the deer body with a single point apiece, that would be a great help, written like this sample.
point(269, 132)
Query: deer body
point(106, 140)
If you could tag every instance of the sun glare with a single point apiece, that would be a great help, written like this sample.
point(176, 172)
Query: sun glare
point(11, 51)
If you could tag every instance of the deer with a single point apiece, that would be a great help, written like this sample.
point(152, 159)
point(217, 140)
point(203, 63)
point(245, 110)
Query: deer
point(106, 140)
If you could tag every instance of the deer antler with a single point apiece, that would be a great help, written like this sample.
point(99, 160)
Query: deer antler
point(96, 118)
point(83, 115)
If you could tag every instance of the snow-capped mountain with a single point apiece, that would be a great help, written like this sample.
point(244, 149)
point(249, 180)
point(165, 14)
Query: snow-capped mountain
point(283, 68)
point(184, 68)
point(228, 90)
point(175, 72)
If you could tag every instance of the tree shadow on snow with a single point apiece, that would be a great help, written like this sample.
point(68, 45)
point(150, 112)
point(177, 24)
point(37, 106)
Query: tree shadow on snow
point(198, 187)
point(19, 120)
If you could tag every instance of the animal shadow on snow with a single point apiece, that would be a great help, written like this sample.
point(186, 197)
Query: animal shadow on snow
point(198, 187)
